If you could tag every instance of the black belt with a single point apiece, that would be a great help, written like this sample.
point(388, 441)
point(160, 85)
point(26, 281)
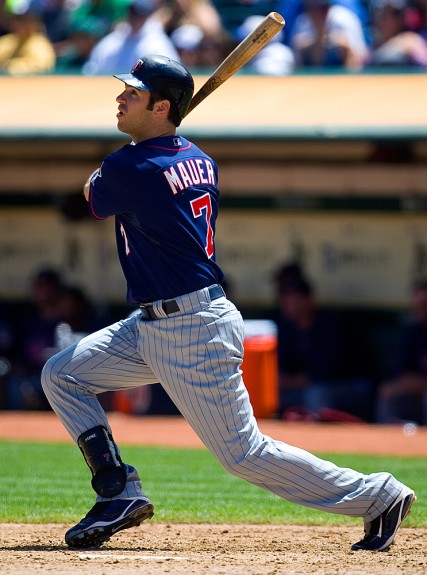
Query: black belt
point(171, 306)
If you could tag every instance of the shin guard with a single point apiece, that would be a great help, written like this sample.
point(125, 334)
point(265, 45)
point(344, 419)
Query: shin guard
point(103, 459)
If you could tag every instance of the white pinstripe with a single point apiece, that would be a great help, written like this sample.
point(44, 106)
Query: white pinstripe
point(196, 355)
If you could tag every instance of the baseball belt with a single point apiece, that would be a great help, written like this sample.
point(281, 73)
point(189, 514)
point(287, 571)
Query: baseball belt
point(170, 306)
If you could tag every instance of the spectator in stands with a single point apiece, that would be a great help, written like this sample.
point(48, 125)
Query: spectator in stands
point(55, 15)
point(26, 49)
point(404, 396)
point(327, 34)
point(291, 9)
point(394, 42)
point(4, 19)
point(82, 37)
point(58, 313)
point(77, 311)
point(201, 13)
point(287, 273)
point(7, 347)
point(75, 27)
point(416, 17)
point(104, 14)
point(275, 59)
point(318, 368)
point(187, 40)
point(197, 50)
point(140, 34)
point(35, 340)
point(234, 12)
point(196, 31)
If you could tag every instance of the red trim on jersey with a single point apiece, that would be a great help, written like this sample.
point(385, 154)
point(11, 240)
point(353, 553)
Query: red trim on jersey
point(92, 211)
point(170, 149)
point(132, 298)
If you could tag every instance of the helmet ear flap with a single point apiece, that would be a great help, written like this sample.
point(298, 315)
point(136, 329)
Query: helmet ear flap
point(177, 94)
point(180, 100)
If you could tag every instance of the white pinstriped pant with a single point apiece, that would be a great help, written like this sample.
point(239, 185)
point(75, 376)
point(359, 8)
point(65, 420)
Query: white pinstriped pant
point(196, 355)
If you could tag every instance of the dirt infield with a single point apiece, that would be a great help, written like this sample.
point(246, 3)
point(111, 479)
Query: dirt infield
point(159, 548)
point(175, 432)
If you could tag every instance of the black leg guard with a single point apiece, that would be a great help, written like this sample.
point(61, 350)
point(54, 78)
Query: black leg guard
point(103, 458)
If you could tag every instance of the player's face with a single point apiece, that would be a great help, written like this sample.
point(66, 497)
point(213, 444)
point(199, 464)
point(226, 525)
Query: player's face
point(133, 117)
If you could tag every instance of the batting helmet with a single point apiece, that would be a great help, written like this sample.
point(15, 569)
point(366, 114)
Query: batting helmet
point(163, 76)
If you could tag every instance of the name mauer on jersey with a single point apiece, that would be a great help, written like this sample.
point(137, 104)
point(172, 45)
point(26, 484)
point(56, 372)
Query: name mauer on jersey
point(188, 173)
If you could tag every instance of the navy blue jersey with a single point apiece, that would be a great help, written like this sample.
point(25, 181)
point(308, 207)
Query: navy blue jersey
point(163, 193)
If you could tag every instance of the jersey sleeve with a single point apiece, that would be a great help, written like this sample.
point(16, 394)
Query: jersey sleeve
point(107, 190)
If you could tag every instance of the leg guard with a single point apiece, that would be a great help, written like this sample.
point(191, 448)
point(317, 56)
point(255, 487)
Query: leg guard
point(103, 459)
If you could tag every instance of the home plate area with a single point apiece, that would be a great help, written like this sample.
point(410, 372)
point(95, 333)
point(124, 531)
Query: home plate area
point(194, 549)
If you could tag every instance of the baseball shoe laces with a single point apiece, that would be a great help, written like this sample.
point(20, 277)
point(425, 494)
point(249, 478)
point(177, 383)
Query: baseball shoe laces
point(107, 518)
point(381, 531)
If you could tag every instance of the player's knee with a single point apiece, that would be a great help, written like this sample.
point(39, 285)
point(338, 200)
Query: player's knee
point(245, 465)
point(46, 375)
point(235, 466)
point(51, 374)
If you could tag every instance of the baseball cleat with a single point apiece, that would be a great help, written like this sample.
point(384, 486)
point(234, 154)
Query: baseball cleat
point(380, 532)
point(107, 518)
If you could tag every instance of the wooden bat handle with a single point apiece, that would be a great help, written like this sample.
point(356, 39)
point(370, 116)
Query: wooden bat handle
point(248, 47)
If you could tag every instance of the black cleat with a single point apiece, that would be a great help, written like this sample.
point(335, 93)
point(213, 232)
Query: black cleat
point(380, 532)
point(107, 518)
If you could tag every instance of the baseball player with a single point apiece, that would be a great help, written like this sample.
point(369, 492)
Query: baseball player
point(162, 190)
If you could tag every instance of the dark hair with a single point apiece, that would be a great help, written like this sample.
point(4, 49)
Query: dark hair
point(297, 285)
point(173, 115)
point(291, 277)
point(77, 294)
point(289, 270)
point(48, 275)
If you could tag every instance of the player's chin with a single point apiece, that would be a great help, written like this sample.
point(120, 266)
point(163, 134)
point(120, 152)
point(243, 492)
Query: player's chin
point(121, 125)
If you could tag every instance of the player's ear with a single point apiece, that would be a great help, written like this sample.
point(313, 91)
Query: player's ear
point(162, 107)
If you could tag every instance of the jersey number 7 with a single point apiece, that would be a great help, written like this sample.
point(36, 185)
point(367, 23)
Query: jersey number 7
point(198, 206)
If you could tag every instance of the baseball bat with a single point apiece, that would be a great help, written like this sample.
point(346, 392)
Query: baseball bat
point(248, 47)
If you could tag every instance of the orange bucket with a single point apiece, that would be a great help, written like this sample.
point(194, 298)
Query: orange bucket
point(260, 374)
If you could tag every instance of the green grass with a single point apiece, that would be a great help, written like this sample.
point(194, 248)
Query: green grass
point(43, 483)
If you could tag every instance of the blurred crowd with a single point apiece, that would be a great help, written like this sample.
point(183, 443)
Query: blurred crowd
point(95, 37)
point(324, 359)
point(56, 313)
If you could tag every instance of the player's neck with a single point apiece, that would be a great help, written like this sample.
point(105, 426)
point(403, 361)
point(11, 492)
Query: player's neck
point(155, 133)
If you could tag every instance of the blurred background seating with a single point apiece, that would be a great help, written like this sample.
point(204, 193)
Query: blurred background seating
point(105, 36)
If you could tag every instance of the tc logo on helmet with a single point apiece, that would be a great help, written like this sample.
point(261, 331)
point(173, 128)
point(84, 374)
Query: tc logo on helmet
point(137, 66)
